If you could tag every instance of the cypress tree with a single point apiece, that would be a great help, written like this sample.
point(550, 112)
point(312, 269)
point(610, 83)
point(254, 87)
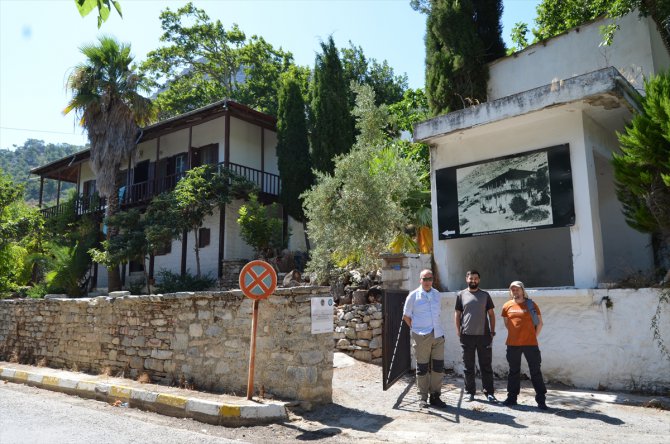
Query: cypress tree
point(295, 166)
point(488, 24)
point(332, 133)
point(461, 37)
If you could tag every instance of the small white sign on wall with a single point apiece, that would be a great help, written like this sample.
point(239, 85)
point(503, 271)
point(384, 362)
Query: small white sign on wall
point(322, 315)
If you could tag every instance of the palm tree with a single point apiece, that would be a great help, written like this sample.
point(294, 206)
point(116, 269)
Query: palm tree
point(105, 94)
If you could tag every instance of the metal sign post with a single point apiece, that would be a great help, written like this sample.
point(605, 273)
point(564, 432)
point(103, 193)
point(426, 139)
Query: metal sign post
point(258, 280)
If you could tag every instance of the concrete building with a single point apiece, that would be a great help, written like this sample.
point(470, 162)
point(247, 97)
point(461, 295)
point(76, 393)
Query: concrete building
point(570, 92)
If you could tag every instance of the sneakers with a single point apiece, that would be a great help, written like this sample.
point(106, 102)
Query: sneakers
point(435, 401)
point(423, 404)
point(509, 402)
point(471, 397)
point(492, 399)
point(542, 406)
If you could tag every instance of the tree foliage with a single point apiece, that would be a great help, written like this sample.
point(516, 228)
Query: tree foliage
point(330, 117)
point(18, 162)
point(18, 227)
point(557, 16)
point(259, 228)
point(642, 169)
point(106, 94)
point(293, 159)
point(104, 7)
point(202, 62)
point(461, 37)
point(355, 212)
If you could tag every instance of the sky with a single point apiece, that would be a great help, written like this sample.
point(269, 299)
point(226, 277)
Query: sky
point(40, 41)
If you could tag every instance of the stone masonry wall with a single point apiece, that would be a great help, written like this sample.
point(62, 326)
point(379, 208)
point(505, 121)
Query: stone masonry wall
point(358, 331)
point(201, 338)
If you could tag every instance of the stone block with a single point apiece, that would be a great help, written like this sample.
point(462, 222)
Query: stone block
point(343, 344)
point(365, 334)
point(363, 355)
point(195, 330)
point(161, 354)
point(375, 323)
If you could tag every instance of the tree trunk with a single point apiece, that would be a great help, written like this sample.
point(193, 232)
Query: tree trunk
point(197, 251)
point(113, 272)
point(304, 229)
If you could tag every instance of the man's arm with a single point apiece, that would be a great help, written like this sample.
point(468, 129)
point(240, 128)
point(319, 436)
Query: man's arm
point(457, 322)
point(407, 320)
point(492, 321)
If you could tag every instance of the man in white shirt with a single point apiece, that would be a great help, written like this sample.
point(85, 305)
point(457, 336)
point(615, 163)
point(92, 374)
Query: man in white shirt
point(422, 314)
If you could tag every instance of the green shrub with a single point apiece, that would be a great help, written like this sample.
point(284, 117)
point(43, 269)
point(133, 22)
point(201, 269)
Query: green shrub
point(169, 282)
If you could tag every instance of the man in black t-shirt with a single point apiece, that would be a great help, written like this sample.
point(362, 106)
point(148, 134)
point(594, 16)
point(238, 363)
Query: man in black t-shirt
point(476, 326)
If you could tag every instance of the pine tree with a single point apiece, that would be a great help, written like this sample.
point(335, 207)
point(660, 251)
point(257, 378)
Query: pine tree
point(330, 117)
point(461, 37)
point(295, 166)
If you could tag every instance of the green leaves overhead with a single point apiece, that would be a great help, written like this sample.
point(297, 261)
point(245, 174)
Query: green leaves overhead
point(85, 7)
point(203, 62)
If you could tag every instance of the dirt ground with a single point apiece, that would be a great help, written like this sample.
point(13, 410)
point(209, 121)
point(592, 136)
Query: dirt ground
point(362, 411)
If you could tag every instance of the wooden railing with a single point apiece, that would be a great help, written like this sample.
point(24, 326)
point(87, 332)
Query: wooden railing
point(143, 192)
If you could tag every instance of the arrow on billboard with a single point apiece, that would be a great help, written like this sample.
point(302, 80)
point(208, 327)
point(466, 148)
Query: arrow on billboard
point(449, 232)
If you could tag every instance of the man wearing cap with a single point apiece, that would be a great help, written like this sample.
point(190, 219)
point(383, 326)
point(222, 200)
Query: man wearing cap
point(523, 321)
point(422, 314)
point(476, 326)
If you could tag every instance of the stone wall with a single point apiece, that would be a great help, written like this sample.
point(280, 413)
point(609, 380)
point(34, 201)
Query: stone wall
point(195, 338)
point(358, 331)
point(230, 272)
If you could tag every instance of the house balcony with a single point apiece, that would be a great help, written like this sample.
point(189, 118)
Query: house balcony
point(140, 194)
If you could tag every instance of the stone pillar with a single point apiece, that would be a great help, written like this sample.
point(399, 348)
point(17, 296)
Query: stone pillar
point(401, 271)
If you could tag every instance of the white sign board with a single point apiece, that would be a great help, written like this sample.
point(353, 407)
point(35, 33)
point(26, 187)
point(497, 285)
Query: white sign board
point(322, 315)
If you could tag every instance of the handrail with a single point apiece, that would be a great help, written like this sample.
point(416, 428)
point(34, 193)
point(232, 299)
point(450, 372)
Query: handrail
point(142, 192)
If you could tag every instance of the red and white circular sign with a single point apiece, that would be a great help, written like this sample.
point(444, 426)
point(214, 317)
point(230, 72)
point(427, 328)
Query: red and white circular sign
point(258, 280)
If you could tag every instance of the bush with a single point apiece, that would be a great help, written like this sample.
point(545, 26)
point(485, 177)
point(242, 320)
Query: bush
point(169, 282)
point(518, 205)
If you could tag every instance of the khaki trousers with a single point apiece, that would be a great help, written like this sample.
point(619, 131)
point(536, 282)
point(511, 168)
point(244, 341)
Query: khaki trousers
point(429, 353)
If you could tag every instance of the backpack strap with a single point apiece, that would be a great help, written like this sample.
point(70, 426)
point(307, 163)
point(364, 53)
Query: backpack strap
point(533, 312)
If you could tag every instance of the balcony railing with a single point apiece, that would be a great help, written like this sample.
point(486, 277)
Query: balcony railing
point(142, 192)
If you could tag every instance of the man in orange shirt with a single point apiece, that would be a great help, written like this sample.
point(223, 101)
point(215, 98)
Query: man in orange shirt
point(523, 328)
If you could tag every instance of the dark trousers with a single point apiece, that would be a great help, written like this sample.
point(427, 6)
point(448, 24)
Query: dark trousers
point(482, 345)
point(534, 359)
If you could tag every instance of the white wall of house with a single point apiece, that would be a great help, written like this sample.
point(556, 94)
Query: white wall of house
point(584, 343)
point(174, 143)
point(213, 131)
point(145, 151)
point(296, 240)
point(271, 164)
point(245, 143)
point(636, 51)
point(85, 174)
point(209, 255)
point(234, 246)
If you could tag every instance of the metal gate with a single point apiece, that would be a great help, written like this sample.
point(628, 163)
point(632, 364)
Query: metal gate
point(396, 357)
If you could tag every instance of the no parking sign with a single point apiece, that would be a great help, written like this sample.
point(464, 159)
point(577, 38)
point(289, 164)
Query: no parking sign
point(258, 280)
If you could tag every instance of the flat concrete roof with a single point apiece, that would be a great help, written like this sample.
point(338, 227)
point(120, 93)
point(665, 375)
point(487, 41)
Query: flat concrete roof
point(605, 89)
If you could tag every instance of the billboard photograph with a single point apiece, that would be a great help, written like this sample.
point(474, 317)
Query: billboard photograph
point(522, 192)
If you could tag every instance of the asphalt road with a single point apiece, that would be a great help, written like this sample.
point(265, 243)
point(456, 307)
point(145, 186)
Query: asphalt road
point(360, 412)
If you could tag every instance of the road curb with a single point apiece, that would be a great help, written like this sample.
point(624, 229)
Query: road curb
point(204, 410)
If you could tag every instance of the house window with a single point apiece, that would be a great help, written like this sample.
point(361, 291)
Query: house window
point(180, 164)
point(206, 155)
point(165, 249)
point(203, 237)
